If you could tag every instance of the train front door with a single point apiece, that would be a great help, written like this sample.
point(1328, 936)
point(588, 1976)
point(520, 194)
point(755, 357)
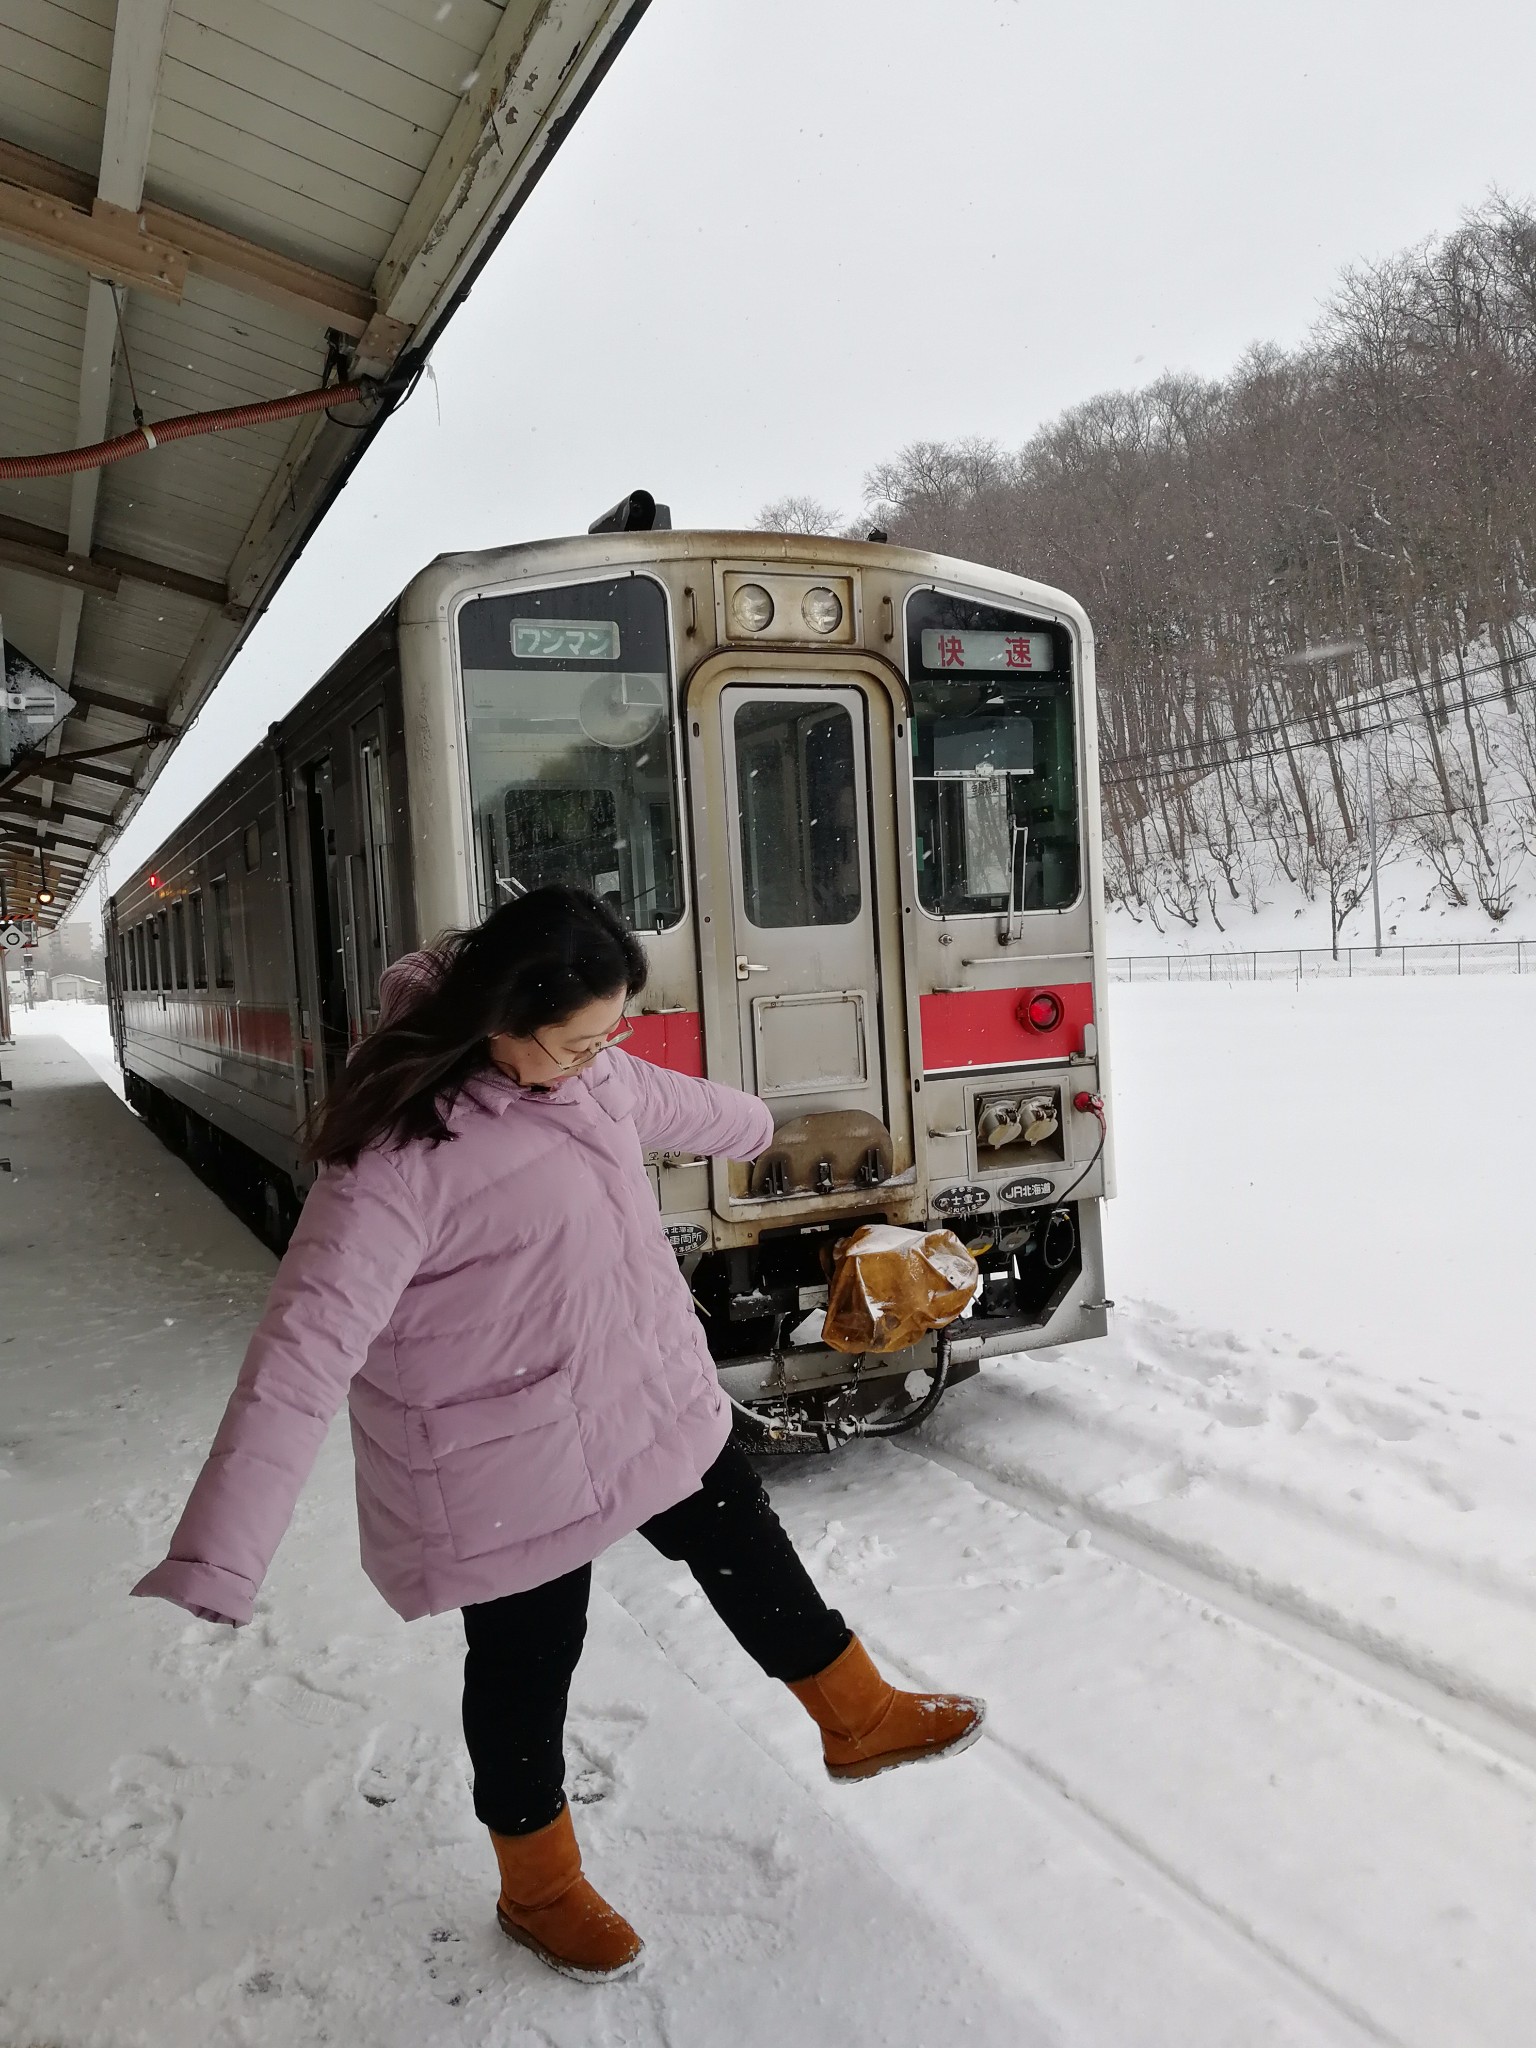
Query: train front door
point(802, 900)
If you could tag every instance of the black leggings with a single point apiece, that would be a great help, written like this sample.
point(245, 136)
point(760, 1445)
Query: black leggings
point(523, 1649)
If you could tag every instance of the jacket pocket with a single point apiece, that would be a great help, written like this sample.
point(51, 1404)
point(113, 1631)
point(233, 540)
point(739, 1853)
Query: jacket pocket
point(509, 1466)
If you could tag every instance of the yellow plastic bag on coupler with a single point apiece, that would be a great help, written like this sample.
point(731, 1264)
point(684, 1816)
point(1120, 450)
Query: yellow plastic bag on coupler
point(890, 1287)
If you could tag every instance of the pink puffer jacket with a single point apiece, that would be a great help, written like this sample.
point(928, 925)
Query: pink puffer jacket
point(527, 1378)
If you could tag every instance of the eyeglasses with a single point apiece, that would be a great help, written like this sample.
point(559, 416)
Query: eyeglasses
point(616, 1036)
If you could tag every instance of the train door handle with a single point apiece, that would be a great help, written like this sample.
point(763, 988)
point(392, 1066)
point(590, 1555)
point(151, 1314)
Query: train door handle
point(744, 967)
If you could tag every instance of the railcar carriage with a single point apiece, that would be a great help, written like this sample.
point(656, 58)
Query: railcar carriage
point(845, 793)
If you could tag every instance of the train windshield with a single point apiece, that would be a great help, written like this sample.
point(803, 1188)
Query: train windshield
point(568, 700)
point(993, 757)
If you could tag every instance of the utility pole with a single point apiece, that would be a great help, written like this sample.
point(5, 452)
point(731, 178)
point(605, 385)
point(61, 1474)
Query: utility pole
point(1370, 784)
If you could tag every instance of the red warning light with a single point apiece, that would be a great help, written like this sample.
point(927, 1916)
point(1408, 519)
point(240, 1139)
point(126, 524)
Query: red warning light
point(154, 881)
point(1042, 1011)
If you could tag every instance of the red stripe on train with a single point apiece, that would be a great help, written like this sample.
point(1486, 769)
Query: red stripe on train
point(249, 1031)
point(980, 1027)
point(675, 1041)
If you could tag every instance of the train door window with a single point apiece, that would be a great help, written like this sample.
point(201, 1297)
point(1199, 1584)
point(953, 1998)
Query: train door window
point(154, 953)
point(197, 939)
point(253, 846)
point(141, 959)
point(179, 942)
point(163, 927)
point(994, 757)
point(128, 967)
point(223, 935)
point(572, 744)
point(799, 814)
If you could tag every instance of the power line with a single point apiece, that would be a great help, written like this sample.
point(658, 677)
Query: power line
point(1152, 755)
point(1220, 843)
point(1297, 746)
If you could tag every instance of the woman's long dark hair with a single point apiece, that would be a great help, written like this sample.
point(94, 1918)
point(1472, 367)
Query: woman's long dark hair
point(533, 963)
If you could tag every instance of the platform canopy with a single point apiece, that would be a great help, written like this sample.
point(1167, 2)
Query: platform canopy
point(211, 203)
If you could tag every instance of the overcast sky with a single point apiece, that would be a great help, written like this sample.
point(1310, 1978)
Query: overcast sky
point(786, 239)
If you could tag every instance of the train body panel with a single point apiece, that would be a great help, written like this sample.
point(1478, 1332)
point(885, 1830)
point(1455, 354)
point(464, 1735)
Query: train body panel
point(846, 795)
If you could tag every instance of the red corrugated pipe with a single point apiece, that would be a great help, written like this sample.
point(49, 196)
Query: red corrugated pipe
point(184, 428)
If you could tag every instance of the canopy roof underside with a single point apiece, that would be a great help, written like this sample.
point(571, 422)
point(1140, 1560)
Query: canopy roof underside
point(214, 203)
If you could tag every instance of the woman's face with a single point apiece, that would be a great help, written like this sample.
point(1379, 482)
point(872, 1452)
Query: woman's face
point(557, 1050)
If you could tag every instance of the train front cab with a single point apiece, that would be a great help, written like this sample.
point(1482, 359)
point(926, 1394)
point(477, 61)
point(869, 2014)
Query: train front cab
point(845, 793)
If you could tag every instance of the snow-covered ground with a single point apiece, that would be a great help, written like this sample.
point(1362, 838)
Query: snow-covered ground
point(85, 1026)
point(1250, 1587)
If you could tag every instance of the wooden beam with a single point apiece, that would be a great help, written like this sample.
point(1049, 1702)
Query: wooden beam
point(106, 240)
point(137, 569)
point(113, 777)
point(202, 250)
point(47, 841)
point(15, 799)
point(133, 86)
point(262, 274)
point(88, 698)
point(102, 568)
point(57, 564)
point(531, 82)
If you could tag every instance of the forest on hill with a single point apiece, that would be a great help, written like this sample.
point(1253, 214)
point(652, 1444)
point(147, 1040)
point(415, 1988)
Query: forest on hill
point(1311, 584)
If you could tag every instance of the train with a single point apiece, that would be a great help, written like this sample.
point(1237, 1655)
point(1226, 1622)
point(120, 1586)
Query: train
point(844, 791)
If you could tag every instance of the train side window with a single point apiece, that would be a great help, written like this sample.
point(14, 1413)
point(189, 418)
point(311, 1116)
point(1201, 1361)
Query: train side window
point(993, 738)
point(179, 942)
point(163, 926)
point(223, 934)
point(572, 744)
point(253, 846)
point(141, 959)
point(125, 963)
point(154, 952)
point(197, 939)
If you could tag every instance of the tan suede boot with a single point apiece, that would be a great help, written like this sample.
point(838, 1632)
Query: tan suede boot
point(868, 1726)
point(548, 1906)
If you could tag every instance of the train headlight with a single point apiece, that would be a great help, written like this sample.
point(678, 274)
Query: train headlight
point(752, 608)
point(821, 609)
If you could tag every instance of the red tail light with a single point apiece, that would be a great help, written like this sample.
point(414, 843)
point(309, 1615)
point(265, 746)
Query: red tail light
point(1042, 1011)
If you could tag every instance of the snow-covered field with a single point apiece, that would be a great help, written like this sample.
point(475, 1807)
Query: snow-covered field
point(1250, 1587)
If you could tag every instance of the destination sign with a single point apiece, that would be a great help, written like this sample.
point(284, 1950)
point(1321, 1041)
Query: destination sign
point(968, 652)
point(565, 639)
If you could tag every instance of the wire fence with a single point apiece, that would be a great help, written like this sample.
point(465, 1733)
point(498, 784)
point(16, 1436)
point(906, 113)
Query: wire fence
point(1316, 963)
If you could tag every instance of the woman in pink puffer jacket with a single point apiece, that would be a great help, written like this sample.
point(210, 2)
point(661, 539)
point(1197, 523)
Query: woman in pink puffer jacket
point(480, 1272)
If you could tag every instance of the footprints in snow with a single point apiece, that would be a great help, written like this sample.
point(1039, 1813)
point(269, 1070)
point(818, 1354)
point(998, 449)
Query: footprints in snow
point(301, 1701)
point(1140, 1489)
point(595, 1743)
point(133, 1831)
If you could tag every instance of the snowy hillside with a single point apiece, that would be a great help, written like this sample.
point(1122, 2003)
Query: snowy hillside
point(1228, 865)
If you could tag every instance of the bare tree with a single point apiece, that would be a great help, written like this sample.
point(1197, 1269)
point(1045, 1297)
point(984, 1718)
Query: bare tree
point(798, 514)
point(1329, 549)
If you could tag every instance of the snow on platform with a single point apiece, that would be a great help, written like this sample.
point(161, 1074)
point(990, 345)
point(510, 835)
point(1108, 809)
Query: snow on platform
point(1250, 1587)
